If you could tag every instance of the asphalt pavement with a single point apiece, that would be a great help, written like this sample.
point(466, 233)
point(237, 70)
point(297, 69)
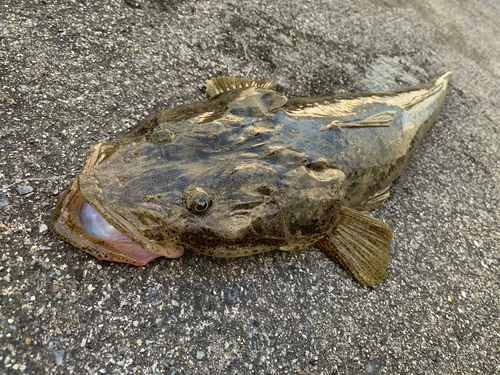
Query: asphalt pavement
point(74, 73)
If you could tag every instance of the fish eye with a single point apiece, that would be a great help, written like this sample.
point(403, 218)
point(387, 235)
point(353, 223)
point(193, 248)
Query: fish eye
point(201, 205)
point(197, 201)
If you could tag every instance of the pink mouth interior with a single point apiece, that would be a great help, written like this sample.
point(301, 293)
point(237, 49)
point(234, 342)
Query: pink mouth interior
point(95, 225)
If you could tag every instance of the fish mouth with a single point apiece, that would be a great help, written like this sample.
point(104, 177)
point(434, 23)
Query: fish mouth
point(76, 221)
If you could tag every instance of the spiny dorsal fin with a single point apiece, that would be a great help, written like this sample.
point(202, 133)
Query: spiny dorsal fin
point(361, 245)
point(221, 84)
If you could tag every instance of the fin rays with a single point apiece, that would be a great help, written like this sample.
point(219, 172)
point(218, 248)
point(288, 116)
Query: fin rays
point(361, 245)
point(221, 84)
point(383, 119)
point(375, 199)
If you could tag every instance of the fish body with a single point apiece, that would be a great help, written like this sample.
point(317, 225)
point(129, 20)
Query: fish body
point(247, 171)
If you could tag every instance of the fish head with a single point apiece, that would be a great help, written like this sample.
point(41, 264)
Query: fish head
point(205, 179)
point(247, 206)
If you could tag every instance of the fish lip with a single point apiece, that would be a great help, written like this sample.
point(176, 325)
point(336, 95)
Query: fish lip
point(66, 225)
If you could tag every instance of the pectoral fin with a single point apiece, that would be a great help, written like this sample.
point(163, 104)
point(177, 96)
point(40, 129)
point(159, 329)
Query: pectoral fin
point(360, 244)
point(221, 84)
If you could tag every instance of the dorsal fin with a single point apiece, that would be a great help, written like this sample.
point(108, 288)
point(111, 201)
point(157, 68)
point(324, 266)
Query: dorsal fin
point(221, 84)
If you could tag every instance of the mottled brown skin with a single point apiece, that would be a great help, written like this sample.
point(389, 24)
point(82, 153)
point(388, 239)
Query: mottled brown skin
point(274, 172)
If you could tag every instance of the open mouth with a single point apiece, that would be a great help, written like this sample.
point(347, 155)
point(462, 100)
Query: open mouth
point(78, 223)
point(94, 225)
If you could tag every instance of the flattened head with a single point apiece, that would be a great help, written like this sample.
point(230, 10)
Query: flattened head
point(207, 178)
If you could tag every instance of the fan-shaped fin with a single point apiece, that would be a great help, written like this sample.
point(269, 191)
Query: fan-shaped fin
point(361, 245)
point(221, 84)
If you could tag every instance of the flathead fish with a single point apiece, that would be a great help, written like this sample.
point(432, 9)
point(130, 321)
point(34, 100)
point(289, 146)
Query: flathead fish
point(248, 170)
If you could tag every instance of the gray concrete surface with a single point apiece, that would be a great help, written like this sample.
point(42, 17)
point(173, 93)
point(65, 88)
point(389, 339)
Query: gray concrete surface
point(73, 73)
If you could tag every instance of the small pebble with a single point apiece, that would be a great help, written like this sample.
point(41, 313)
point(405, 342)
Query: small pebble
point(23, 190)
point(199, 355)
point(231, 296)
point(4, 201)
point(374, 366)
point(43, 228)
point(151, 297)
point(393, 248)
point(58, 357)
